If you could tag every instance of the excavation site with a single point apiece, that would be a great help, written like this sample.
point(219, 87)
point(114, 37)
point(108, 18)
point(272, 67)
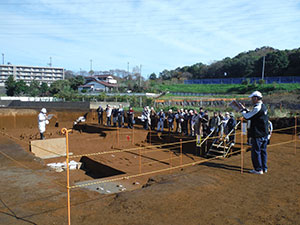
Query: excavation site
point(84, 172)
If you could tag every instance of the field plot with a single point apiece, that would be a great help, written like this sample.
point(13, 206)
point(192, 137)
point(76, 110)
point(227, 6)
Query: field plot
point(138, 177)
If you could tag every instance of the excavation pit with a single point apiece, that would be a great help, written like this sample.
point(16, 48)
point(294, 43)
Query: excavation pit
point(98, 170)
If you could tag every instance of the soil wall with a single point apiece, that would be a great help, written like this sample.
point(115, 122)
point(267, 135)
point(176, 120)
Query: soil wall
point(27, 118)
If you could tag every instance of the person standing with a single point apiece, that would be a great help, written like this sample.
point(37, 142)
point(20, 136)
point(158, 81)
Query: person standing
point(43, 121)
point(177, 118)
point(120, 116)
point(194, 119)
point(108, 115)
point(205, 120)
point(146, 118)
point(114, 114)
point(214, 124)
point(186, 119)
point(258, 132)
point(130, 117)
point(230, 127)
point(170, 120)
point(161, 120)
point(153, 118)
point(100, 115)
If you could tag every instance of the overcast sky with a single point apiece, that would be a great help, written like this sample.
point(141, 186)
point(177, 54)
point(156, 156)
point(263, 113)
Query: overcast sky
point(156, 34)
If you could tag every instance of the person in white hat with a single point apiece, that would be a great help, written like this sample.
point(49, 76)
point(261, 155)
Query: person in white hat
point(258, 132)
point(43, 121)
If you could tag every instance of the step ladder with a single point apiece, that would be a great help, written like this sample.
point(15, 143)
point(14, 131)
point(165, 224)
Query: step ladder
point(221, 146)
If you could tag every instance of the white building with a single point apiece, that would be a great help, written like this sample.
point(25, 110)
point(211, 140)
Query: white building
point(29, 73)
point(99, 83)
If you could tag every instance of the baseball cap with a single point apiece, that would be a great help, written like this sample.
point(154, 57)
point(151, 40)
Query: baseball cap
point(255, 94)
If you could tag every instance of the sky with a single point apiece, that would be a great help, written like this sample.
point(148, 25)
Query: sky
point(153, 35)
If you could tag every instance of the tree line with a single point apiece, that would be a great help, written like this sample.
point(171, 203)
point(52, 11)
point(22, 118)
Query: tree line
point(60, 88)
point(245, 65)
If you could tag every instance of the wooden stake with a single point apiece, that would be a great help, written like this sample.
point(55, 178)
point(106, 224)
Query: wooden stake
point(118, 137)
point(66, 132)
point(295, 144)
point(132, 135)
point(242, 147)
point(150, 135)
point(181, 152)
point(140, 160)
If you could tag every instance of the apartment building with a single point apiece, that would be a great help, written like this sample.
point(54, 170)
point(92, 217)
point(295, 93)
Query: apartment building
point(29, 73)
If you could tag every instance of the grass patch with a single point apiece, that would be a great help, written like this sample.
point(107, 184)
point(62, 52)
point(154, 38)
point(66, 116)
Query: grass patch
point(230, 88)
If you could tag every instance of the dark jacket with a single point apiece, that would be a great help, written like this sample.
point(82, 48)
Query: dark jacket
point(258, 120)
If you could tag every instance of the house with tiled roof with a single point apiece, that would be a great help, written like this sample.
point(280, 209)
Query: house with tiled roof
point(99, 83)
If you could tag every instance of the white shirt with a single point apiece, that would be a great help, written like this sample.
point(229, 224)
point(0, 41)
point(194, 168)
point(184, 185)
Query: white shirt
point(108, 112)
point(42, 120)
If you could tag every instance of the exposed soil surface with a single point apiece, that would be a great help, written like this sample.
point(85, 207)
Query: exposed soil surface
point(213, 192)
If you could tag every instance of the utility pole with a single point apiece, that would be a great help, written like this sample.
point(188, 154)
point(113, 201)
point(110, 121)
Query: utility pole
point(50, 64)
point(128, 68)
point(91, 64)
point(263, 68)
point(3, 58)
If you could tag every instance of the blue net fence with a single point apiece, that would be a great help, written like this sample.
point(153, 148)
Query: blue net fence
point(268, 80)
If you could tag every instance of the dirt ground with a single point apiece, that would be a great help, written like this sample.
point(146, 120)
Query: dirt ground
point(213, 192)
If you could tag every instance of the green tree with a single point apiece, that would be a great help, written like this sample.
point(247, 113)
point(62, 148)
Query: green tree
point(294, 63)
point(44, 89)
point(21, 88)
point(165, 75)
point(10, 85)
point(152, 76)
point(75, 82)
point(58, 85)
point(67, 93)
point(34, 88)
point(276, 63)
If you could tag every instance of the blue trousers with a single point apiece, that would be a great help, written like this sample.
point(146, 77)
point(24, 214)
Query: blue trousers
point(108, 119)
point(259, 153)
point(160, 125)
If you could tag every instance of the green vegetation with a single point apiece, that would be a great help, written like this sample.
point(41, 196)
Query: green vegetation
point(66, 89)
point(246, 65)
point(230, 88)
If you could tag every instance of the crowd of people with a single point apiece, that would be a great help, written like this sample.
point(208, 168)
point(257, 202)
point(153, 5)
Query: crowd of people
point(189, 122)
point(182, 121)
point(116, 116)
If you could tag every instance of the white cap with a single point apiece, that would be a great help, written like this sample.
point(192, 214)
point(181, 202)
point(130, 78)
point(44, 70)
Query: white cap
point(255, 94)
point(43, 110)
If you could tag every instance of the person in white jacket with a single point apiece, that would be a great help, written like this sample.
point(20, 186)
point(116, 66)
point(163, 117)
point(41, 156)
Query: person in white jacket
point(43, 121)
